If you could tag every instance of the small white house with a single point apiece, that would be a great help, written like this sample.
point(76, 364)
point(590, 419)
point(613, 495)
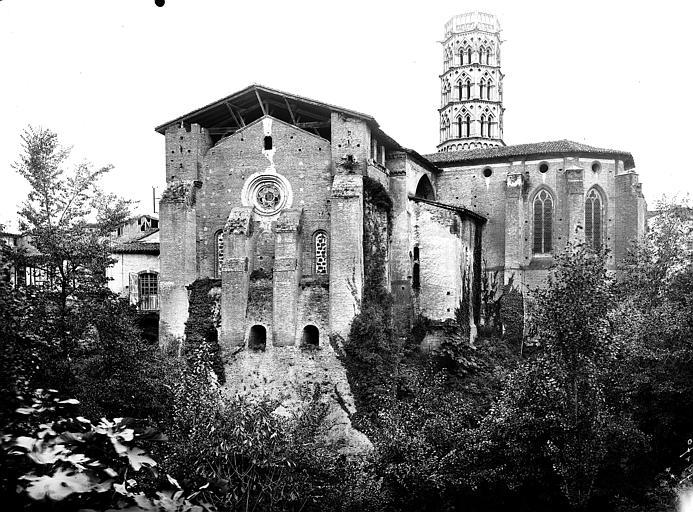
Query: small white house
point(135, 273)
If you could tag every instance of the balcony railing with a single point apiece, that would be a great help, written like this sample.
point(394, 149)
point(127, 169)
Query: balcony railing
point(148, 303)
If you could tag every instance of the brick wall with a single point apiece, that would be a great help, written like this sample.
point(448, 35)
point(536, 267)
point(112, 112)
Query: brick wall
point(302, 158)
point(507, 236)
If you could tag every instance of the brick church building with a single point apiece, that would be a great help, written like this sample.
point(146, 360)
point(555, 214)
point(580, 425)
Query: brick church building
point(271, 194)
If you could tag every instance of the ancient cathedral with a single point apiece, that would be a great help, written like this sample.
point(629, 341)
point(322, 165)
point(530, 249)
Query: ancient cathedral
point(285, 201)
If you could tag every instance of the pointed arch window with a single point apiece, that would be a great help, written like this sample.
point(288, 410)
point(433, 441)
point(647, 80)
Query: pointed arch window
point(218, 252)
point(481, 55)
point(459, 90)
point(489, 130)
point(594, 220)
point(482, 86)
point(543, 223)
point(468, 125)
point(469, 55)
point(459, 127)
point(483, 126)
point(320, 252)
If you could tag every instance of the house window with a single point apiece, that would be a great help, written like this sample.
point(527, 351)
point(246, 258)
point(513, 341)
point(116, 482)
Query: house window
point(148, 289)
point(593, 220)
point(36, 277)
point(320, 248)
point(218, 253)
point(543, 223)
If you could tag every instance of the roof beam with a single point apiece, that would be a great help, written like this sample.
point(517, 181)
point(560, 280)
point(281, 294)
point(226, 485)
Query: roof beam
point(238, 112)
point(291, 112)
point(262, 107)
point(233, 114)
point(313, 124)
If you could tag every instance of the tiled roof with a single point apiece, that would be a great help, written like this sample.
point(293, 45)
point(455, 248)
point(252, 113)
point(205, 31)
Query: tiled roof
point(527, 151)
point(137, 248)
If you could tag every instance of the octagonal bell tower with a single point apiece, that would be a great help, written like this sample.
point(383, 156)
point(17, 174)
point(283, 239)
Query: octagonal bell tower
point(471, 113)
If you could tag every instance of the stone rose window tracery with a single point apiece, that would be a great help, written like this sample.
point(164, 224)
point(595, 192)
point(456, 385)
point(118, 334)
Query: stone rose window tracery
point(267, 193)
point(268, 196)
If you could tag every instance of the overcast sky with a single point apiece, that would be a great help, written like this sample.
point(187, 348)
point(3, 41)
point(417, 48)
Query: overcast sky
point(103, 73)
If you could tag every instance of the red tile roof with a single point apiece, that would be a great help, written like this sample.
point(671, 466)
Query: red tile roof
point(537, 150)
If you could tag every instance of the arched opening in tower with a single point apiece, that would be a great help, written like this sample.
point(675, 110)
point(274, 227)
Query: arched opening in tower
point(424, 189)
point(311, 336)
point(257, 338)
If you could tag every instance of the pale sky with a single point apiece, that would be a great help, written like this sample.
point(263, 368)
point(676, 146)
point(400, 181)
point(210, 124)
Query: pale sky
point(102, 74)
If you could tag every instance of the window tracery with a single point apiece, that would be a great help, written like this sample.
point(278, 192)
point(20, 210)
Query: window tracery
point(593, 220)
point(543, 223)
point(320, 249)
point(218, 252)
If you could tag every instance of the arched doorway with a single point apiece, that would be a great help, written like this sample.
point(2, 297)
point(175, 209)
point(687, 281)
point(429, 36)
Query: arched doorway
point(311, 336)
point(257, 338)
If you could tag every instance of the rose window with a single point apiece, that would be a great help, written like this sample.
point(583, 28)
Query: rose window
point(267, 193)
point(268, 196)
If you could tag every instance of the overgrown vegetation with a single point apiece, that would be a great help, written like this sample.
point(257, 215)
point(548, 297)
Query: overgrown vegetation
point(592, 418)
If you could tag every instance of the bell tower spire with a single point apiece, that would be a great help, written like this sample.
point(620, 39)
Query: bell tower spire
point(471, 113)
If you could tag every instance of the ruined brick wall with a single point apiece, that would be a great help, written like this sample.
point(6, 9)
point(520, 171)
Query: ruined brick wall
point(314, 307)
point(302, 158)
point(630, 213)
point(377, 208)
point(185, 148)
point(446, 251)
point(178, 245)
point(346, 251)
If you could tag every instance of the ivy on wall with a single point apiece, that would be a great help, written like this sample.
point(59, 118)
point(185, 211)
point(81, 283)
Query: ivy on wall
point(200, 328)
point(372, 352)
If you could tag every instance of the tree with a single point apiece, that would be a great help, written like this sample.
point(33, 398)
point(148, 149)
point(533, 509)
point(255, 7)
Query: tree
point(558, 411)
point(66, 219)
point(652, 320)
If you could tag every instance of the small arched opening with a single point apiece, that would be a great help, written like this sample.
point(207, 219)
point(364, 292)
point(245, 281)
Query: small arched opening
point(257, 338)
point(268, 143)
point(424, 189)
point(311, 336)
